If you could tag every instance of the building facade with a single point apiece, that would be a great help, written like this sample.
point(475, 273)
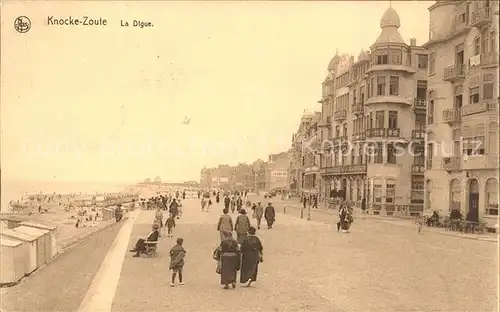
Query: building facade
point(297, 164)
point(311, 180)
point(462, 110)
point(376, 107)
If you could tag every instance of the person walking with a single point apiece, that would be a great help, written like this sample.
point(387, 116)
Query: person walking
point(259, 212)
point(174, 208)
point(233, 204)
point(251, 256)
point(217, 198)
point(228, 255)
point(227, 202)
point(241, 226)
point(239, 203)
point(170, 224)
point(159, 219)
point(209, 204)
point(177, 255)
point(270, 215)
point(225, 224)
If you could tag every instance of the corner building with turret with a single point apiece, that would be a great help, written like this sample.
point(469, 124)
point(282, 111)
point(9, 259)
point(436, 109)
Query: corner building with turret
point(463, 110)
point(373, 115)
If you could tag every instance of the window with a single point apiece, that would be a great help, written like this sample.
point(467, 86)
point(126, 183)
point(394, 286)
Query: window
point(461, 18)
point(455, 190)
point(379, 154)
point(488, 91)
point(474, 146)
point(477, 45)
point(491, 197)
point(382, 59)
point(458, 102)
point(474, 95)
point(362, 95)
point(394, 85)
point(379, 119)
point(390, 191)
point(391, 156)
point(432, 62)
point(493, 43)
point(422, 61)
point(393, 119)
point(421, 89)
point(337, 131)
point(430, 113)
point(344, 130)
point(377, 191)
point(380, 85)
point(429, 153)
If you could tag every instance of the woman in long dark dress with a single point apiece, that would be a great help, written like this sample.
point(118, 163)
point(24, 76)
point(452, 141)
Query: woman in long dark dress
point(229, 257)
point(251, 250)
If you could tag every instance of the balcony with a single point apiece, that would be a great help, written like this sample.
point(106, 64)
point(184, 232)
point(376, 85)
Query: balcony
point(392, 64)
point(419, 105)
point(489, 59)
point(358, 109)
point(450, 164)
point(355, 169)
point(327, 123)
point(475, 108)
point(417, 169)
point(452, 116)
point(454, 73)
point(418, 134)
point(480, 162)
point(375, 133)
point(333, 170)
point(393, 132)
point(340, 140)
point(340, 115)
point(359, 136)
point(481, 17)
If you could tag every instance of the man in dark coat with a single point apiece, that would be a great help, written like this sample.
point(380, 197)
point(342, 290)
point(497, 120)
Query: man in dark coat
point(174, 208)
point(227, 201)
point(239, 203)
point(270, 215)
point(140, 245)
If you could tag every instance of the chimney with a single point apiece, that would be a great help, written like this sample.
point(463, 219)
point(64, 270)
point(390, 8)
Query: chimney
point(413, 42)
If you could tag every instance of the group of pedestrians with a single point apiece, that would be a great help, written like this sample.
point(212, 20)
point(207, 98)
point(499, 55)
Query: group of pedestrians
point(245, 252)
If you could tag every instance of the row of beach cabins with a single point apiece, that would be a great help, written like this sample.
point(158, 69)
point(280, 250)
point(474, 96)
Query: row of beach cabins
point(32, 201)
point(26, 246)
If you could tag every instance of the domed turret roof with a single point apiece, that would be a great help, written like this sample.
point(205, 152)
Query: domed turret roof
point(334, 61)
point(390, 19)
point(363, 56)
point(390, 23)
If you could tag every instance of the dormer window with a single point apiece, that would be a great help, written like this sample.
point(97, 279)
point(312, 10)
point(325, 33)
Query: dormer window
point(382, 59)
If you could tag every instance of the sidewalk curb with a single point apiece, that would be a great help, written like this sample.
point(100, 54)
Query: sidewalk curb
point(79, 239)
point(389, 218)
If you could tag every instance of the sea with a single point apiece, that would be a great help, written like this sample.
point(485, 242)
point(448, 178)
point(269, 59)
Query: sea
point(15, 189)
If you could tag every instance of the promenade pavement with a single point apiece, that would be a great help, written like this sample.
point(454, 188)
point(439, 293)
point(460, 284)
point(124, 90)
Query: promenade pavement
point(307, 266)
point(322, 214)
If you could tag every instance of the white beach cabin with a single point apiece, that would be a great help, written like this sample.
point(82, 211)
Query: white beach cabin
point(30, 247)
point(13, 260)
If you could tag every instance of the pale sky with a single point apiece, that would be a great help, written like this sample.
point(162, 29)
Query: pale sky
point(243, 72)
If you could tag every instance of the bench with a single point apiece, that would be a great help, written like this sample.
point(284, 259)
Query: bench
point(151, 247)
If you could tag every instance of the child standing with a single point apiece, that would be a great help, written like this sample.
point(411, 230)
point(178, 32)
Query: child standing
point(177, 254)
point(170, 223)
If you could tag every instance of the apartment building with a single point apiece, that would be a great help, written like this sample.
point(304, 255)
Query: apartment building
point(296, 166)
point(311, 181)
point(462, 110)
point(376, 106)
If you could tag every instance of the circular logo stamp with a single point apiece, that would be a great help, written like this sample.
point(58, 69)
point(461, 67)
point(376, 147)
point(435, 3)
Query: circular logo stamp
point(22, 24)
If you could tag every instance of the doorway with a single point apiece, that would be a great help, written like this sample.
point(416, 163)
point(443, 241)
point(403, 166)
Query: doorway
point(473, 211)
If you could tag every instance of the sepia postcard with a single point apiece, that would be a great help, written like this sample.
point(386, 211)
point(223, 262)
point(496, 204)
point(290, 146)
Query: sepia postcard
point(249, 156)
